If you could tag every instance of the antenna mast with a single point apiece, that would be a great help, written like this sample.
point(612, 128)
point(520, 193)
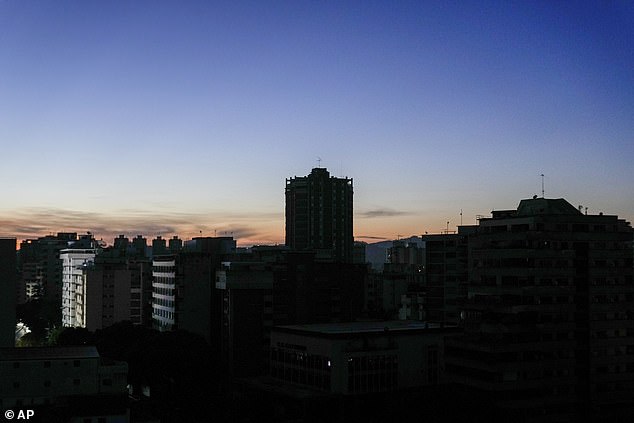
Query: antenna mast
point(319, 162)
point(543, 185)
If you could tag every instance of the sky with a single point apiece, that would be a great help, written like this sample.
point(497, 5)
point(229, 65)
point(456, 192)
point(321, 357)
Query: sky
point(185, 118)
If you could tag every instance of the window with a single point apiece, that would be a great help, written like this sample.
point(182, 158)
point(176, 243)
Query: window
point(76, 363)
point(16, 365)
point(47, 364)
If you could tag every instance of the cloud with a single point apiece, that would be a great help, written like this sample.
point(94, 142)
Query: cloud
point(370, 237)
point(382, 212)
point(35, 222)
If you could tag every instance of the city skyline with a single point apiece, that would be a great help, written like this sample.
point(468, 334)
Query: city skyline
point(163, 119)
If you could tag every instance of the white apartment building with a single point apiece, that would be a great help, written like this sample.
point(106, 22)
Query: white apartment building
point(164, 293)
point(73, 263)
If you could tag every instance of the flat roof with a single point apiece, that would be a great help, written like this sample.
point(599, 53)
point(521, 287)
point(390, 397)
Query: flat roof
point(47, 353)
point(364, 327)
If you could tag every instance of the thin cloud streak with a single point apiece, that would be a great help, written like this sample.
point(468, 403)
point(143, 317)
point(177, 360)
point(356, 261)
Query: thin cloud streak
point(382, 212)
point(371, 237)
point(35, 222)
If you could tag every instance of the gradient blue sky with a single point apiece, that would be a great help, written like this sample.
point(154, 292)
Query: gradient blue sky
point(177, 117)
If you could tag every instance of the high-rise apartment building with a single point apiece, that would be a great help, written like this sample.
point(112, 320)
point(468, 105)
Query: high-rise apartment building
point(75, 260)
point(40, 270)
point(549, 327)
point(183, 294)
point(74, 263)
point(114, 288)
point(319, 214)
point(446, 274)
point(164, 293)
point(8, 271)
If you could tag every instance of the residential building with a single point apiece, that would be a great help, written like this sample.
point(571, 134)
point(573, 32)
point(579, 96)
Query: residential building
point(8, 279)
point(247, 316)
point(549, 332)
point(308, 290)
point(446, 274)
point(359, 357)
point(41, 270)
point(74, 262)
point(183, 287)
point(63, 383)
point(175, 245)
point(115, 288)
point(358, 252)
point(319, 214)
point(406, 252)
point(164, 287)
point(159, 246)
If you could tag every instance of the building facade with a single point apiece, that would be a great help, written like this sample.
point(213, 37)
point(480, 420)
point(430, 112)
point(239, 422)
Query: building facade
point(8, 273)
point(446, 274)
point(70, 383)
point(319, 214)
point(359, 357)
point(74, 262)
point(549, 328)
point(246, 290)
point(164, 287)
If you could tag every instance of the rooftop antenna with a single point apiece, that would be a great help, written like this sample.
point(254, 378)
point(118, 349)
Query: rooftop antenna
point(447, 227)
point(460, 217)
point(319, 162)
point(543, 185)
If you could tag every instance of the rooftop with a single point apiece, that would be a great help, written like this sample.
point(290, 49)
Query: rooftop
point(47, 353)
point(548, 206)
point(366, 327)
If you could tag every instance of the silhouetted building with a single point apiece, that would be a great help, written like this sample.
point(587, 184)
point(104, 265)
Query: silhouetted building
point(121, 243)
point(278, 287)
point(159, 246)
point(183, 287)
point(115, 288)
point(41, 270)
point(359, 357)
point(406, 252)
point(63, 384)
point(247, 316)
point(139, 244)
point(401, 276)
point(175, 245)
point(548, 323)
point(31, 278)
point(373, 294)
point(358, 252)
point(8, 273)
point(319, 214)
point(306, 290)
point(446, 274)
